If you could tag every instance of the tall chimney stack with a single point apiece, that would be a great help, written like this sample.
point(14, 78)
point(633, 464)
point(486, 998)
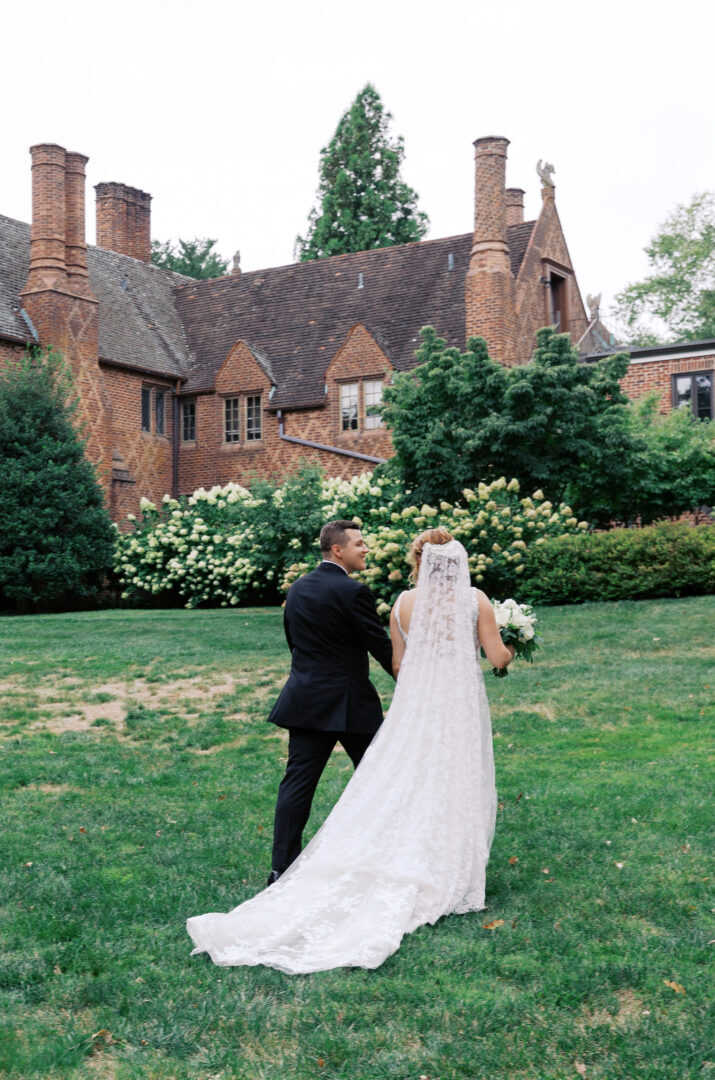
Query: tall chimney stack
point(124, 220)
point(514, 206)
point(48, 263)
point(75, 243)
point(489, 285)
point(57, 295)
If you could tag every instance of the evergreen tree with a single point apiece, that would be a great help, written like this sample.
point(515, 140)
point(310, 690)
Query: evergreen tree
point(363, 202)
point(193, 258)
point(56, 538)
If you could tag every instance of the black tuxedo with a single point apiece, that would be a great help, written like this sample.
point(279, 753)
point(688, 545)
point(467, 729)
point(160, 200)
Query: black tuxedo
point(331, 625)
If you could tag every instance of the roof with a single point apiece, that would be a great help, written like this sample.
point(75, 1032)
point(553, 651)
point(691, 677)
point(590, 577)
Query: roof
point(293, 318)
point(299, 315)
point(14, 262)
point(686, 349)
point(517, 237)
point(139, 325)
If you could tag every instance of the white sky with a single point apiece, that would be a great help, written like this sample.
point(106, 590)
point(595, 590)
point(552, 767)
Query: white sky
point(220, 109)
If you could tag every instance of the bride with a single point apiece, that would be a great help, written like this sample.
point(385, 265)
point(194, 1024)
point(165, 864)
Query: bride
point(409, 839)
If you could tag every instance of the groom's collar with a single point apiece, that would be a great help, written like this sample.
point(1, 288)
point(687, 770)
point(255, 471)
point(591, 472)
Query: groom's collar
point(329, 562)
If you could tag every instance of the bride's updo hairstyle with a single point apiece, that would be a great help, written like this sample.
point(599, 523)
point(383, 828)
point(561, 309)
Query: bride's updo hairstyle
point(429, 536)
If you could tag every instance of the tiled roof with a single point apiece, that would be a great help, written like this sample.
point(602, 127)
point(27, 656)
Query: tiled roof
point(138, 322)
point(300, 315)
point(14, 261)
point(517, 237)
point(293, 318)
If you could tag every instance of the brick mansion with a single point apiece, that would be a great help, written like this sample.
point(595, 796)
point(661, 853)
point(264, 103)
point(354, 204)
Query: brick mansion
point(186, 383)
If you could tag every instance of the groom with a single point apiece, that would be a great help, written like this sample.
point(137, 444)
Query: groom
point(331, 624)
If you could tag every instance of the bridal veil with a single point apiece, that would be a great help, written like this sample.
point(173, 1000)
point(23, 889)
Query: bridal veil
point(409, 839)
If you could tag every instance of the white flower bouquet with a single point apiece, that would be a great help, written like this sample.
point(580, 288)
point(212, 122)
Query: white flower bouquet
point(516, 624)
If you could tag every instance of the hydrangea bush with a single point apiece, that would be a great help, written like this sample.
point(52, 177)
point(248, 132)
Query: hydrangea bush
point(230, 546)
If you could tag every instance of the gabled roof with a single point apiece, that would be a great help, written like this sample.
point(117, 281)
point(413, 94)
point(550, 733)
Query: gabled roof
point(293, 318)
point(298, 316)
point(138, 322)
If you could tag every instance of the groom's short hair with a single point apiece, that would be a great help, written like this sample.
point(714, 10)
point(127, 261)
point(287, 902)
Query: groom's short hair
point(333, 532)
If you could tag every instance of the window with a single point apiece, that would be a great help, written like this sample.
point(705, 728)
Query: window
point(558, 302)
point(694, 391)
point(188, 421)
point(231, 429)
point(349, 406)
point(146, 408)
point(254, 430)
point(372, 389)
point(159, 410)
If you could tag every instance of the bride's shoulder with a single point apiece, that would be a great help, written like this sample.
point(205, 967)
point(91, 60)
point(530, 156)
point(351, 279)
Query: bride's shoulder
point(404, 601)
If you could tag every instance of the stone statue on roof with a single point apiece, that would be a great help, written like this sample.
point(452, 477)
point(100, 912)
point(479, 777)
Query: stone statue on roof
point(594, 304)
point(546, 172)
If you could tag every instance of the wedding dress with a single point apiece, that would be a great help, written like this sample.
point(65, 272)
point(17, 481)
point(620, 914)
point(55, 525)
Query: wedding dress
point(409, 839)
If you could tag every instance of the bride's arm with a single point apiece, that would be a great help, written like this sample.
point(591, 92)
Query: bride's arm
point(498, 654)
point(398, 644)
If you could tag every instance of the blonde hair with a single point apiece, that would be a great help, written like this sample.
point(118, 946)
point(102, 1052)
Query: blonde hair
point(429, 536)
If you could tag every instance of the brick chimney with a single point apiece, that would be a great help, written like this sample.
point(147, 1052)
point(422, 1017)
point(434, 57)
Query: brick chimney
point(57, 295)
point(489, 285)
point(75, 243)
point(514, 206)
point(48, 260)
point(124, 220)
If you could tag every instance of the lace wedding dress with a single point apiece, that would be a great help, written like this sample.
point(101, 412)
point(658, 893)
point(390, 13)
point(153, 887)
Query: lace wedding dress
point(409, 839)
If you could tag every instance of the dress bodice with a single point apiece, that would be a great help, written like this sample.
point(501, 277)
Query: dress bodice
point(475, 617)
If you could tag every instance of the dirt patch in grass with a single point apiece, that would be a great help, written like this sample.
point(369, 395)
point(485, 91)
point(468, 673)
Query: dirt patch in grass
point(51, 789)
point(63, 710)
point(630, 1013)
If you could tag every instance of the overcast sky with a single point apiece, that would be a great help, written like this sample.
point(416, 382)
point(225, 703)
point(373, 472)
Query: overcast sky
point(220, 109)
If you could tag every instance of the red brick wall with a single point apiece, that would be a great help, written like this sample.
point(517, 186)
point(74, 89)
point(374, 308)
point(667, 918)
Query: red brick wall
point(145, 456)
point(210, 460)
point(10, 352)
point(642, 377)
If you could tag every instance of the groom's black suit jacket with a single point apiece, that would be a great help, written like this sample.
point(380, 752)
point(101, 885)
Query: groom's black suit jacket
point(331, 624)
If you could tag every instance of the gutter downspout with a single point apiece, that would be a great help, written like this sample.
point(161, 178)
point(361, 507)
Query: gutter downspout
point(324, 446)
point(28, 323)
point(175, 442)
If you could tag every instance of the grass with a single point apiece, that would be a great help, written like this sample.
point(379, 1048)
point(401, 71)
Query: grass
point(138, 779)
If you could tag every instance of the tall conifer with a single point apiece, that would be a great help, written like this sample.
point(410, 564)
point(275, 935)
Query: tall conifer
point(363, 202)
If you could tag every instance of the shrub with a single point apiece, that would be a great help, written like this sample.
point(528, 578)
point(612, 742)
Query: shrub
point(670, 559)
point(231, 546)
point(56, 537)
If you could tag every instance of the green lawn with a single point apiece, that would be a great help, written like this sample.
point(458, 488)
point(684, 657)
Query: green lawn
point(138, 781)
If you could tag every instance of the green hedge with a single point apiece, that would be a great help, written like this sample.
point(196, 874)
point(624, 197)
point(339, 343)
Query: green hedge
point(623, 564)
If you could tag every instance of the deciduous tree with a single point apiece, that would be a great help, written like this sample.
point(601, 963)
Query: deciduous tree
point(676, 301)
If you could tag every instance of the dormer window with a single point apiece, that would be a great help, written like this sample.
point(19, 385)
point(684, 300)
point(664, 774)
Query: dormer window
point(360, 405)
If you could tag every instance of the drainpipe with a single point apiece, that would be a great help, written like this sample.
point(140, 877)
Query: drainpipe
point(175, 442)
point(324, 446)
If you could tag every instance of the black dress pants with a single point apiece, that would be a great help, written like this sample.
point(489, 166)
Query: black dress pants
point(308, 753)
